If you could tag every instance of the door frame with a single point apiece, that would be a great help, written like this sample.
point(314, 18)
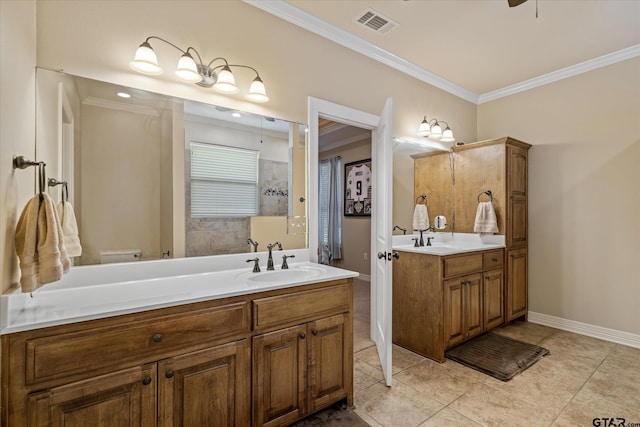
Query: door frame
point(350, 116)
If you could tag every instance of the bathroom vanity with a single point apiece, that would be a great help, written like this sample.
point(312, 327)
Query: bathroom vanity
point(440, 301)
point(268, 350)
point(462, 294)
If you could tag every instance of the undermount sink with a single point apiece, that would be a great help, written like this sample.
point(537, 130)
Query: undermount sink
point(292, 275)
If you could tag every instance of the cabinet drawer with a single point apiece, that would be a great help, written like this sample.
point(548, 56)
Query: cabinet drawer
point(300, 306)
point(493, 259)
point(464, 264)
point(94, 348)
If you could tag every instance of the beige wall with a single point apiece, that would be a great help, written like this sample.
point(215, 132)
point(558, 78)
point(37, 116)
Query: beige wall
point(584, 204)
point(356, 231)
point(17, 123)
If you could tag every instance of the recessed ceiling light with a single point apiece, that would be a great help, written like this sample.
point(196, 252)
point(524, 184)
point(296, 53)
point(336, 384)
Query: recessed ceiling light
point(236, 114)
point(123, 95)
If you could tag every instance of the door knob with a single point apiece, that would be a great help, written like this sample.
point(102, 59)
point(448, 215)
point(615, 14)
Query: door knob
point(382, 255)
point(396, 255)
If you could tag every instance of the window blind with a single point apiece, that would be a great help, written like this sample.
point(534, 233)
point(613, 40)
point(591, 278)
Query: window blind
point(224, 181)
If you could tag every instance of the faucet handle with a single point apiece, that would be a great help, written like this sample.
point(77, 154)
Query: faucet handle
point(415, 242)
point(256, 266)
point(285, 266)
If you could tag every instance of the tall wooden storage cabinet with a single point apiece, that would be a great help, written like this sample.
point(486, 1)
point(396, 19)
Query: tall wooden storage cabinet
point(454, 182)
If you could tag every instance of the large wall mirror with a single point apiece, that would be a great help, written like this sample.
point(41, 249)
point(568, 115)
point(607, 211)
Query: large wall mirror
point(169, 177)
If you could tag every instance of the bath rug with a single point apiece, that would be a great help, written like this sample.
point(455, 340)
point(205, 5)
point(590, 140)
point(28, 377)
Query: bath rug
point(501, 357)
point(337, 415)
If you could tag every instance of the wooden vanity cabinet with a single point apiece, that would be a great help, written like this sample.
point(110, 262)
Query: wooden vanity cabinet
point(302, 368)
point(189, 365)
point(501, 166)
point(442, 301)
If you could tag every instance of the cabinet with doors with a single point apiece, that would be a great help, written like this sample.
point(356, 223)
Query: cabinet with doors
point(187, 365)
point(442, 301)
point(454, 183)
point(303, 360)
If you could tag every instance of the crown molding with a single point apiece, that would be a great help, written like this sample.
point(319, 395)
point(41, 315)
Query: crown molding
point(120, 106)
point(296, 16)
point(554, 76)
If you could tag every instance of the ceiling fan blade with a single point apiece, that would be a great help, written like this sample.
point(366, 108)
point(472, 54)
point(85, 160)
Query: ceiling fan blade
point(514, 3)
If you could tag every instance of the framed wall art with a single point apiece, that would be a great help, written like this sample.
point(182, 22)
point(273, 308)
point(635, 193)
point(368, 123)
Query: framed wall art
point(357, 188)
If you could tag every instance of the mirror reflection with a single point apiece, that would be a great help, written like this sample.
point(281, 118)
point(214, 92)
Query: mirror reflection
point(151, 176)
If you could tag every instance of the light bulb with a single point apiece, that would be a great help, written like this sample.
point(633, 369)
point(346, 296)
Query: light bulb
point(188, 70)
point(447, 135)
point(226, 83)
point(424, 129)
point(257, 91)
point(436, 131)
point(145, 61)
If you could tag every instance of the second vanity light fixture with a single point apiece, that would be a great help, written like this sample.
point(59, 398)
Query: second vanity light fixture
point(219, 77)
point(432, 129)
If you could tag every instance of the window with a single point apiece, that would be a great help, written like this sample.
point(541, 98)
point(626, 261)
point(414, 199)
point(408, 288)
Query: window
point(224, 181)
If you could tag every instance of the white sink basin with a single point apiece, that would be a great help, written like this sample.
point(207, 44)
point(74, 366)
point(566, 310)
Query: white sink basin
point(292, 275)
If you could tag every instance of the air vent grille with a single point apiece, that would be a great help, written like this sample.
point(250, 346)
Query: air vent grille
point(375, 21)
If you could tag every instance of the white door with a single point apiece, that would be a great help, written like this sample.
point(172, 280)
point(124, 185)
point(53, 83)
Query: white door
point(382, 165)
point(381, 269)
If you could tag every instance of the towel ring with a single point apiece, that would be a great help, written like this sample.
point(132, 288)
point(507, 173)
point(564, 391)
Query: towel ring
point(422, 196)
point(488, 193)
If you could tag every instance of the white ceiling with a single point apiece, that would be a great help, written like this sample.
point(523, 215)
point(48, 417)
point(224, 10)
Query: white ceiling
point(478, 48)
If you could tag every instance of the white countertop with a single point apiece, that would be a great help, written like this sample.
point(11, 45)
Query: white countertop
point(95, 292)
point(448, 243)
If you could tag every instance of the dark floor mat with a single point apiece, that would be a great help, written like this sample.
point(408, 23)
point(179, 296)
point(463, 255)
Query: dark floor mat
point(501, 357)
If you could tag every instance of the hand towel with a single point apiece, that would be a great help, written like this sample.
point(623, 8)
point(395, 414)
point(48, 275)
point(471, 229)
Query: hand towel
point(39, 244)
point(486, 221)
point(420, 217)
point(69, 229)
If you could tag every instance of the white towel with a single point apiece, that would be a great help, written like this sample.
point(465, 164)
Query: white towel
point(39, 244)
point(69, 229)
point(420, 217)
point(486, 221)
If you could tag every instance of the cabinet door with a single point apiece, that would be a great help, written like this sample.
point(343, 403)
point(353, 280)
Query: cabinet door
point(473, 306)
point(279, 381)
point(517, 196)
point(516, 284)
point(493, 299)
point(125, 398)
point(454, 329)
point(329, 361)
point(206, 388)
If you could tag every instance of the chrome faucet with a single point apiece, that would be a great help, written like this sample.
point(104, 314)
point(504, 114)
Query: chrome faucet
point(270, 247)
point(255, 244)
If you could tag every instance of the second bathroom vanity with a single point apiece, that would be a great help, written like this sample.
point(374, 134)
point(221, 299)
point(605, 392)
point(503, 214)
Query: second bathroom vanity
point(441, 300)
point(465, 283)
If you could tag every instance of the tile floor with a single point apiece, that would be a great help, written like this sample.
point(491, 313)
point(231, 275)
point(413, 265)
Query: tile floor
point(583, 378)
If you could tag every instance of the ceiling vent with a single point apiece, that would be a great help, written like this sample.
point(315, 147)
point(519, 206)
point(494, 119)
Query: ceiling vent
point(375, 21)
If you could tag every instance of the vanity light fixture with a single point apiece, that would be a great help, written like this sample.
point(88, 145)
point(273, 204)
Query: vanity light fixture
point(432, 129)
point(219, 77)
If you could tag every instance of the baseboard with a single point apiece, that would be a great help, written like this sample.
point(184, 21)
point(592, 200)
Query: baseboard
point(619, 337)
point(365, 277)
